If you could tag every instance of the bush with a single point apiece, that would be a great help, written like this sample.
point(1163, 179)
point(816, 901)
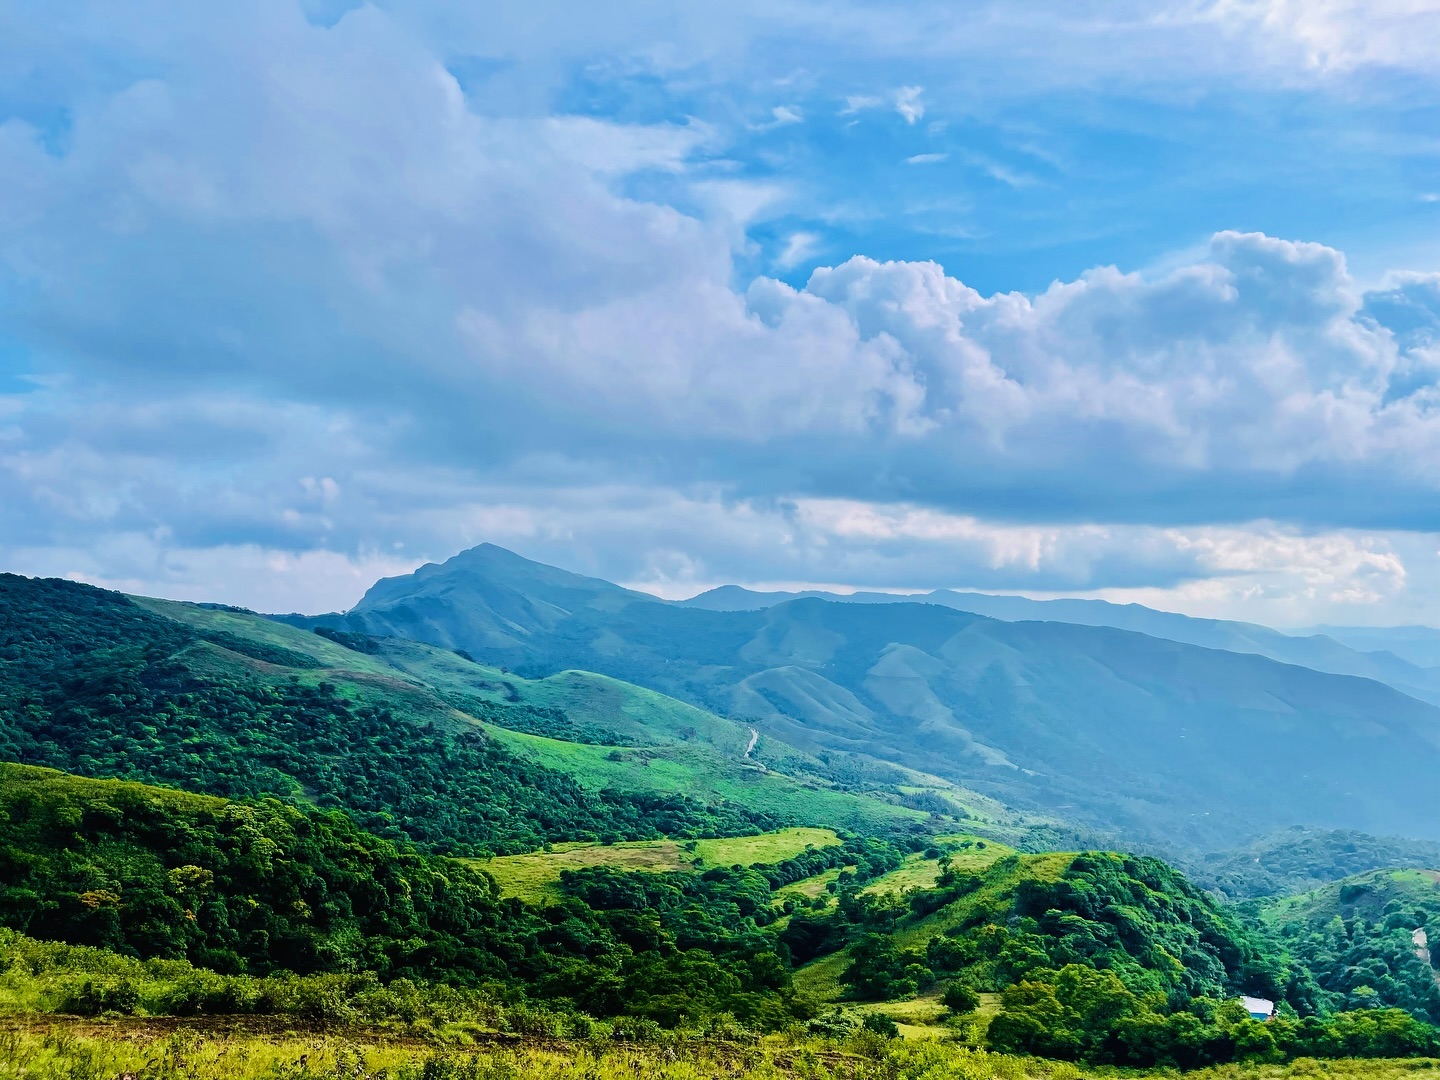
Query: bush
point(881, 1025)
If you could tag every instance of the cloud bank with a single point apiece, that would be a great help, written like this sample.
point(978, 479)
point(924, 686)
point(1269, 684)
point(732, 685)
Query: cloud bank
point(287, 303)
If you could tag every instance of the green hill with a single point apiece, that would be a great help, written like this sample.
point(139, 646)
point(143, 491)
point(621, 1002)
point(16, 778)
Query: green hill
point(189, 904)
point(1298, 859)
point(233, 704)
point(252, 889)
point(1364, 942)
point(993, 921)
point(1155, 741)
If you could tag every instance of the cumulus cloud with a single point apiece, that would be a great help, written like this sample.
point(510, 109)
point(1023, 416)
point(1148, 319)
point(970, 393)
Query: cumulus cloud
point(293, 296)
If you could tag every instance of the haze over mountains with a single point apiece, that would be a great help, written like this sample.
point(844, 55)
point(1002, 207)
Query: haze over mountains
point(1407, 658)
point(1163, 736)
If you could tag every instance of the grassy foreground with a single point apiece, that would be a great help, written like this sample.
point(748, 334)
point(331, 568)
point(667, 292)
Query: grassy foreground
point(96, 1051)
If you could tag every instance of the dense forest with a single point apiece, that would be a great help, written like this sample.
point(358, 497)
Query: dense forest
point(1361, 942)
point(91, 683)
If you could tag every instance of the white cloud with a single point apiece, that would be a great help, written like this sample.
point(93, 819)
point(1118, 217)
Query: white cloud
point(297, 292)
point(926, 159)
point(1340, 35)
point(787, 114)
point(799, 246)
point(855, 103)
point(908, 103)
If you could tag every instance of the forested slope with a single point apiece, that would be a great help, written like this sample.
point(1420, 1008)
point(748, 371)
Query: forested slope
point(91, 682)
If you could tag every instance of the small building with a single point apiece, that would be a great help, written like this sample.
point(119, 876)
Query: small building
point(1258, 1008)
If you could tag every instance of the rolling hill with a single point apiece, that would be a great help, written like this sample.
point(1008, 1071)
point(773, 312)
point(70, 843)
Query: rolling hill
point(1362, 942)
point(415, 742)
point(1147, 738)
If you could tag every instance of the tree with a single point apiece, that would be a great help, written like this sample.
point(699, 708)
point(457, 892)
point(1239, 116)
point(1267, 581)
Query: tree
point(959, 998)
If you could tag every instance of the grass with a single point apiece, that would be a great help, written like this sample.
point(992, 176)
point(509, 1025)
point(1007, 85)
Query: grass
point(1320, 904)
point(918, 872)
point(700, 771)
point(640, 715)
point(534, 877)
point(808, 888)
point(105, 1050)
point(771, 847)
point(259, 628)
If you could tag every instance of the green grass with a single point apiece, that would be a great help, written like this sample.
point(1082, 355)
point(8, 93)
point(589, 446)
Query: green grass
point(919, 1018)
point(918, 872)
point(808, 888)
point(534, 877)
point(259, 628)
point(642, 716)
point(107, 1049)
point(771, 847)
point(700, 772)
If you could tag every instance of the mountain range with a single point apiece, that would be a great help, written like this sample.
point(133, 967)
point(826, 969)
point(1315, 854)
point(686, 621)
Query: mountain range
point(1183, 733)
point(1371, 653)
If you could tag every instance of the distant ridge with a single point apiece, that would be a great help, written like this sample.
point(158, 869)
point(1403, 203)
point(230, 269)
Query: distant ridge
point(1168, 736)
point(1318, 650)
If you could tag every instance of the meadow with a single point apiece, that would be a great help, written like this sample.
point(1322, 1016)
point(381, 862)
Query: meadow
point(534, 876)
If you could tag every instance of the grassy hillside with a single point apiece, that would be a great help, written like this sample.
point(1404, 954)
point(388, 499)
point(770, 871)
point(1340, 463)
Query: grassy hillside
point(1181, 747)
point(251, 890)
point(614, 733)
point(992, 917)
point(117, 1050)
point(230, 703)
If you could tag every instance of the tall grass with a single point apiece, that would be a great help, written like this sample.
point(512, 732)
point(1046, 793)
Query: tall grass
point(101, 1051)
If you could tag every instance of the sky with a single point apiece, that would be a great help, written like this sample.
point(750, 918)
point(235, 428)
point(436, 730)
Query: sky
point(1129, 300)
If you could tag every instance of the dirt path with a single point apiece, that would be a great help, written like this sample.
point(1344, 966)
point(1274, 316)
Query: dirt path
point(754, 738)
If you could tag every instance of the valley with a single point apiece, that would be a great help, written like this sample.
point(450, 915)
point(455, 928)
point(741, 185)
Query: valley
point(1119, 734)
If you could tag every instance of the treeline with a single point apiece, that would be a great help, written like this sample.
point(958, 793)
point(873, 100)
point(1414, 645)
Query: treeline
point(91, 683)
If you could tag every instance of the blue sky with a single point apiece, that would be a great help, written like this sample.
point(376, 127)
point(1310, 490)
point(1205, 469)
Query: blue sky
point(1138, 301)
